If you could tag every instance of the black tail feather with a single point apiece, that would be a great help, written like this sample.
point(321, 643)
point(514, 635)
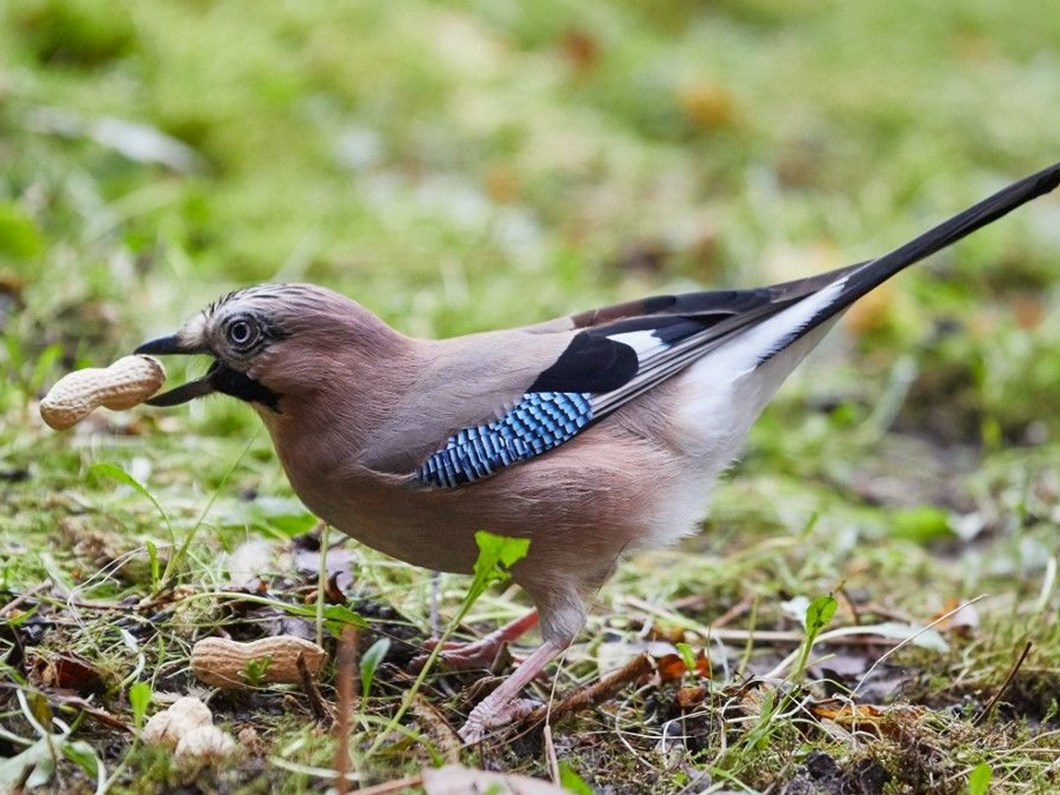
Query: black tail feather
point(873, 273)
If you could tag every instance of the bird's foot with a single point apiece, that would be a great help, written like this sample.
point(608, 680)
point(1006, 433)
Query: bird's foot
point(488, 716)
point(485, 653)
point(503, 705)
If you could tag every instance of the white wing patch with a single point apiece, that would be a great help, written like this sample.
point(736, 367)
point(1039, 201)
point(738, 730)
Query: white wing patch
point(645, 343)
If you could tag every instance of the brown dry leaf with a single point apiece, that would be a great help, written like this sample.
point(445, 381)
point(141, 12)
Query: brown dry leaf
point(458, 780)
point(847, 714)
point(68, 672)
point(688, 697)
point(865, 717)
point(670, 634)
point(672, 667)
point(703, 669)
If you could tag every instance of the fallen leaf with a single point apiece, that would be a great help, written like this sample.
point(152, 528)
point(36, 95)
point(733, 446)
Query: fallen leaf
point(865, 717)
point(691, 696)
point(703, 669)
point(847, 713)
point(68, 672)
point(671, 668)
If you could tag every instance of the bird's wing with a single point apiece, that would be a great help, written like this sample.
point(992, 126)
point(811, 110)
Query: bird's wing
point(613, 355)
point(618, 353)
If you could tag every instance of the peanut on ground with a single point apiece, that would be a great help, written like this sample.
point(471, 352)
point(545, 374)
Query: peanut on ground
point(225, 663)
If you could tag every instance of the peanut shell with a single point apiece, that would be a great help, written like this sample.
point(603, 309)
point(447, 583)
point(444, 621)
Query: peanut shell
point(220, 662)
point(126, 383)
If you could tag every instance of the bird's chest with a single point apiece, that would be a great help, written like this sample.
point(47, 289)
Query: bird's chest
point(385, 512)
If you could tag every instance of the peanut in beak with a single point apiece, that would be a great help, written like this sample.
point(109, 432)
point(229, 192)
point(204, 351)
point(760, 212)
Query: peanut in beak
point(126, 383)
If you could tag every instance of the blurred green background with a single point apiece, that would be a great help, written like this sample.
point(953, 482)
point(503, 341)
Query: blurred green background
point(467, 165)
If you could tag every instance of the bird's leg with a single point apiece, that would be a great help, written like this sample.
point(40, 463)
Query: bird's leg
point(483, 652)
point(501, 706)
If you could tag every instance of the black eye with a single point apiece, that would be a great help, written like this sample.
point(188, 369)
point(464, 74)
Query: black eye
point(241, 333)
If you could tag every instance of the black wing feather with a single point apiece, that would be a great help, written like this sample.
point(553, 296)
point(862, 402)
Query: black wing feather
point(596, 362)
point(591, 363)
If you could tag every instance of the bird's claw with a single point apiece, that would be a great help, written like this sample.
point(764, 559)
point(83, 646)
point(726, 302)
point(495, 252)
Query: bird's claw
point(486, 716)
point(488, 653)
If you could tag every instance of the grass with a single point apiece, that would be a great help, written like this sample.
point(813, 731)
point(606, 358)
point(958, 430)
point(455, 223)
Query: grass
point(471, 165)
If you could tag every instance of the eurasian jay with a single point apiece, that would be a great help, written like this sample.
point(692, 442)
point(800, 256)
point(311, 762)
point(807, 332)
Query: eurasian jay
point(592, 435)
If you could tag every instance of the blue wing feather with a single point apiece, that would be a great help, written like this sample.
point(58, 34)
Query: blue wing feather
point(534, 425)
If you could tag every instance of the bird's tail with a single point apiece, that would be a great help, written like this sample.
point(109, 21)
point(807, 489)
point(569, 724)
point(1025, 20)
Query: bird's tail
point(859, 280)
point(768, 350)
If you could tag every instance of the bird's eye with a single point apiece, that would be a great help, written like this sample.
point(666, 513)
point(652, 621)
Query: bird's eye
point(241, 333)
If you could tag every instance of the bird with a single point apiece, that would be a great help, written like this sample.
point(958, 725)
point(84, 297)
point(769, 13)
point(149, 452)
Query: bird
point(592, 435)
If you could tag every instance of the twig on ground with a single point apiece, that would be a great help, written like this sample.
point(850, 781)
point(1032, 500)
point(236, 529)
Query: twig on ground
point(22, 597)
point(104, 717)
point(345, 664)
point(550, 755)
point(982, 716)
point(317, 705)
point(850, 604)
point(596, 693)
point(733, 613)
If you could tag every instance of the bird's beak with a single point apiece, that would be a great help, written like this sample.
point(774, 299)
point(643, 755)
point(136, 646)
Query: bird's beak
point(173, 344)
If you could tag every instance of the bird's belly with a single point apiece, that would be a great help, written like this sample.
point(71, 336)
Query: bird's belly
point(396, 525)
point(582, 505)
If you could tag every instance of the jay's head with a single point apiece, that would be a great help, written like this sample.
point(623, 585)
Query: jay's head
point(270, 342)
